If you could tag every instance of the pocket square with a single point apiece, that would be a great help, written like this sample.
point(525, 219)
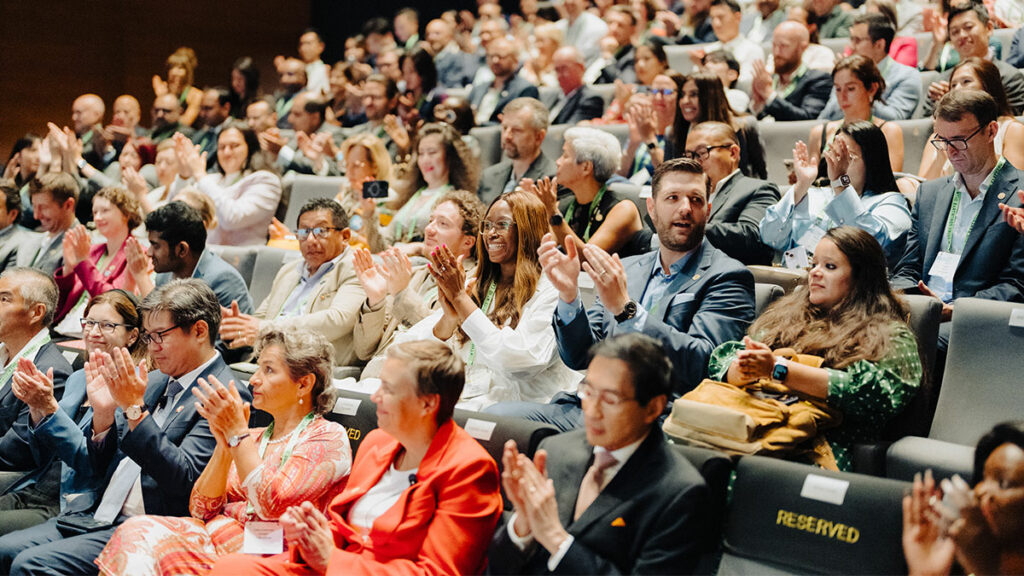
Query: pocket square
point(682, 298)
point(619, 522)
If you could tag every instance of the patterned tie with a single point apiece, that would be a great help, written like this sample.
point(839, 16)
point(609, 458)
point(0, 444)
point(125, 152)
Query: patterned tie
point(166, 402)
point(593, 481)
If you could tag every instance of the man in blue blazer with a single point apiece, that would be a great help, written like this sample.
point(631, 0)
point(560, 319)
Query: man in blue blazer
point(688, 295)
point(958, 245)
point(149, 439)
point(489, 99)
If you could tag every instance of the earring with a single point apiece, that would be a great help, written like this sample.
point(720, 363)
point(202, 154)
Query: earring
point(300, 401)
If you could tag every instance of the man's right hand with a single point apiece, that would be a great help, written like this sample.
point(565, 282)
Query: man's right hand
point(562, 270)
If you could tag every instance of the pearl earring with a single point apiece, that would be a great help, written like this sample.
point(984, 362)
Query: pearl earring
point(300, 401)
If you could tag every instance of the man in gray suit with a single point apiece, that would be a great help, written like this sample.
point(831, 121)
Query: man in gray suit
point(12, 235)
point(738, 203)
point(958, 245)
point(54, 197)
point(688, 295)
point(307, 117)
point(870, 36)
point(524, 124)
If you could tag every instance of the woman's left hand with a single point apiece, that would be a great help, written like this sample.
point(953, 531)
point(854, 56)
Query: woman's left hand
point(222, 407)
point(838, 158)
point(399, 135)
point(448, 272)
point(756, 361)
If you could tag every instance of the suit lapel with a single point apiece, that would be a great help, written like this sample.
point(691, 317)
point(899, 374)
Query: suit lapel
point(573, 466)
point(687, 276)
point(937, 227)
point(721, 195)
point(638, 273)
point(621, 488)
point(990, 209)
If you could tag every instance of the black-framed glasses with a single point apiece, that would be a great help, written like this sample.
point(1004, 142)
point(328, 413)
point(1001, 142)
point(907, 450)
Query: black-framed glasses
point(158, 336)
point(959, 143)
point(107, 328)
point(500, 225)
point(588, 393)
point(320, 232)
point(701, 154)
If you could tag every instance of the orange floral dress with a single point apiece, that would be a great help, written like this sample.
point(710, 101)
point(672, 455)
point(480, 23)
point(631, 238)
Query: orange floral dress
point(316, 471)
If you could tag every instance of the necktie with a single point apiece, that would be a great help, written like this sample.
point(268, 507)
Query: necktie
point(593, 481)
point(166, 402)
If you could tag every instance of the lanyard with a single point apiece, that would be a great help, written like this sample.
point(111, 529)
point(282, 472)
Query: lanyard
point(24, 353)
point(405, 228)
point(486, 305)
point(293, 440)
point(955, 207)
point(590, 215)
point(792, 82)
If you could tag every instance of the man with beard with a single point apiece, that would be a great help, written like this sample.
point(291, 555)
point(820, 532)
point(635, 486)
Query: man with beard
point(524, 124)
point(292, 81)
point(166, 115)
point(688, 295)
point(794, 91)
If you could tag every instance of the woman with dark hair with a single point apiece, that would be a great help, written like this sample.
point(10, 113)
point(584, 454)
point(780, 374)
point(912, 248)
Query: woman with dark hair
point(136, 153)
point(245, 85)
point(858, 83)
point(421, 94)
point(702, 98)
point(977, 74)
point(500, 321)
point(254, 474)
point(854, 194)
point(23, 163)
point(848, 315)
point(181, 67)
point(457, 111)
point(650, 113)
point(112, 320)
point(245, 189)
point(986, 534)
point(649, 61)
point(441, 162)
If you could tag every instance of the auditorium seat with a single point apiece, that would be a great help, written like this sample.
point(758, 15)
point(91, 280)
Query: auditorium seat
point(789, 518)
point(268, 262)
point(306, 187)
point(779, 140)
point(679, 57)
point(1005, 37)
point(241, 258)
point(927, 77)
point(837, 45)
point(915, 138)
point(716, 468)
point(765, 295)
point(356, 413)
point(489, 138)
point(980, 387)
point(784, 277)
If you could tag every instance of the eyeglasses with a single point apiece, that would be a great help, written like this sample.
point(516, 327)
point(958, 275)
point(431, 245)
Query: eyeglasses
point(588, 393)
point(941, 144)
point(702, 153)
point(655, 91)
point(105, 327)
point(320, 232)
point(157, 337)
point(500, 225)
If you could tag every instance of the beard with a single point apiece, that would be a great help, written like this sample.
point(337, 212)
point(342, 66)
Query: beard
point(671, 239)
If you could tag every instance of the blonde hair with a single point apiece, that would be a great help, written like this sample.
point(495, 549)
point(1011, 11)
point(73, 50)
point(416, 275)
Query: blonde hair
point(378, 153)
point(202, 203)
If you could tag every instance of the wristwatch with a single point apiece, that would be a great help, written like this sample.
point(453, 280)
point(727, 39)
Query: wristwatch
point(628, 311)
point(556, 219)
point(82, 163)
point(781, 370)
point(841, 182)
point(234, 441)
point(133, 412)
point(652, 146)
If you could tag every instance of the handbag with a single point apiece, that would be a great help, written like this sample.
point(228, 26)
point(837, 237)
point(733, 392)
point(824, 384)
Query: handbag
point(763, 417)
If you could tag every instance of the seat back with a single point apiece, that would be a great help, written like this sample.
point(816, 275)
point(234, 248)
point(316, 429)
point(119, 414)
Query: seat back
point(981, 382)
point(784, 277)
point(765, 295)
point(779, 139)
point(1005, 37)
point(925, 317)
point(268, 261)
point(306, 187)
point(716, 468)
point(679, 57)
point(242, 258)
point(356, 413)
point(927, 77)
point(634, 194)
point(489, 138)
point(915, 138)
point(789, 518)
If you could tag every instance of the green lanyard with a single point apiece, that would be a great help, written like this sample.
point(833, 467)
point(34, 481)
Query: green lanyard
point(955, 207)
point(792, 82)
point(24, 353)
point(293, 440)
point(405, 228)
point(590, 215)
point(486, 305)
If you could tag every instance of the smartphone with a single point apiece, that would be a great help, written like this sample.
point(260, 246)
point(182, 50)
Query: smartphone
point(375, 189)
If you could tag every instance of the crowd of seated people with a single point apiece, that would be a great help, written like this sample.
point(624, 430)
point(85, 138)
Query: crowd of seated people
point(555, 216)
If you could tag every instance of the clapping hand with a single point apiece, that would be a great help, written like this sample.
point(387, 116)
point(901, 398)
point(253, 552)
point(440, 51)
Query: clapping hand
point(804, 169)
point(372, 276)
point(563, 270)
point(238, 329)
point(640, 117)
point(191, 160)
point(308, 530)
point(271, 141)
point(127, 385)
point(75, 246)
point(755, 362)
point(546, 189)
point(223, 408)
point(396, 130)
point(837, 158)
point(1014, 216)
point(609, 277)
point(35, 389)
point(448, 272)
point(96, 390)
point(534, 498)
point(947, 309)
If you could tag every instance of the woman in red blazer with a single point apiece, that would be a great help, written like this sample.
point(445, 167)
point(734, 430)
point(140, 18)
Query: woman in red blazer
point(92, 270)
point(423, 496)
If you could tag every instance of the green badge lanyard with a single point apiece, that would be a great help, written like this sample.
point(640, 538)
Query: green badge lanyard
point(955, 208)
point(405, 228)
point(25, 353)
point(487, 304)
point(792, 82)
point(590, 215)
point(289, 447)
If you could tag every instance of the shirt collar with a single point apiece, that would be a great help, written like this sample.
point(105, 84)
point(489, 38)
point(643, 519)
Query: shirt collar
point(7, 231)
point(622, 454)
point(323, 269)
point(187, 379)
point(958, 182)
point(676, 266)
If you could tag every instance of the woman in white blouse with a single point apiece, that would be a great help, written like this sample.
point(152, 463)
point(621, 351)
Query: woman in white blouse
point(500, 322)
point(244, 189)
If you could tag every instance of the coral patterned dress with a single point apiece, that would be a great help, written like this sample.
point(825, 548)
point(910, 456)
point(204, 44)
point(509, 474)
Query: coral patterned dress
point(316, 471)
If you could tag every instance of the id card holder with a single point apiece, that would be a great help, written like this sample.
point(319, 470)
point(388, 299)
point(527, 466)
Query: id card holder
point(945, 266)
point(263, 538)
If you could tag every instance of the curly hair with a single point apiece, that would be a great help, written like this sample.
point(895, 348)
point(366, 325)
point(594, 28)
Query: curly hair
point(124, 201)
point(463, 168)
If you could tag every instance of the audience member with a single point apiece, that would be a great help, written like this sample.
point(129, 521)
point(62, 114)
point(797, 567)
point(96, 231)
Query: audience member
point(214, 113)
point(582, 29)
point(311, 48)
point(815, 56)
point(13, 236)
point(124, 123)
point(389, 63)
point(453, 495)
point(902, 49)
point(181, 66)
point(621, 28)
point(539, 69)
point(366, 160)
point(54, 197)
point(635, 474)
point(723, 64)
point(832, 19)
point(379, 38)
point(650, 114)
point(87, 122)
point(524, 125)
point(248, 479)
point(166, 168)
point(849, 316)
point(245, 86)
point(576, 101)
point(738, 203)
point(166, 119)
point(725, 16)
point(346, 104)
point(871, 36)
point(489, 100)
point(23, 164)
point(304, 152)
point(693, 26)
point(455, 68)
point(958, 246)
point(1016, 56)
point(260, 115)
point(499, 321)
point(792, 92)
point(759, 24)
point(649, 61)
point(407, 28)
point(292, 80)
point(153, 454)
point(421, 90)
point(380, 98)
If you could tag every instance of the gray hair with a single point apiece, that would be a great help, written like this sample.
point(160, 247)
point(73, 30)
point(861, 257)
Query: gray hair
point(305, 352)
point(187, 301)
point(35, 288)
point(539, 117)
point(598, 147)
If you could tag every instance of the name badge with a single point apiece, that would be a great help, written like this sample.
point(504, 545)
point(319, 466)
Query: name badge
point(945, 266)
point(811, 237)
point(263, 538)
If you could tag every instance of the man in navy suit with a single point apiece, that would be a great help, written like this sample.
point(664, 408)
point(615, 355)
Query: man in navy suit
point(688, 295)
point(958, 245)
point(489, 99)
point(624, 501)
point(148, 436)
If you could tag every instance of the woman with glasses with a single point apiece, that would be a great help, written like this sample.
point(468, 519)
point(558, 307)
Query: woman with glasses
point(92, 269)
point(847, 315)
point(58, 443)
point(500, 321)
point(254, 474)
point(860, 191)
point(858, 83)
point(650, 113)
point(702, 98)
point(977, 74)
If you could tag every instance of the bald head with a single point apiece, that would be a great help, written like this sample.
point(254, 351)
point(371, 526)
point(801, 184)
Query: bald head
point(166, 110)
point(86, 112)
point(502, 57)
point(293, 75)
point(127, 111)
point(788, 44)
point(439, 34)
point(569, 67)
